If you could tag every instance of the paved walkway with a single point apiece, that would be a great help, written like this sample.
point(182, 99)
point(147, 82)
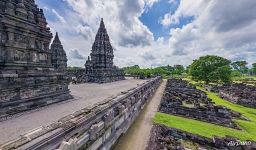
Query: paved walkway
point(138, 134)
point(84, 94)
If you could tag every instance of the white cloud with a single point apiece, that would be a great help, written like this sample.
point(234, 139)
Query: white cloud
point(224, 28)
point(85, 31)
point(186, 8)
point(121, 18)
point(61, 19)
point(126, 31)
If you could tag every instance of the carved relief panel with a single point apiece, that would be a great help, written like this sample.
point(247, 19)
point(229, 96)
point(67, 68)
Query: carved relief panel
point(43, 57)
point(46, 46)
point(31, 43)
point(2, 54)
point(3, 37)
point(38, 45)
point(7, 96)
point(34, 57)
point(20, 55)
point(21, 40)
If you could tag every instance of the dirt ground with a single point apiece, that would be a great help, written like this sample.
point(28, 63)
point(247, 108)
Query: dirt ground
point(138, 134)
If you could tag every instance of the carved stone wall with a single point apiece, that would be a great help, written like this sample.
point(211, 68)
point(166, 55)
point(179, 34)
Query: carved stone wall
point(94, 127)
point(27, 76)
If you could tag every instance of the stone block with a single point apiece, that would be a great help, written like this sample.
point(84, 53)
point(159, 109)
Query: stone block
point(95, 129)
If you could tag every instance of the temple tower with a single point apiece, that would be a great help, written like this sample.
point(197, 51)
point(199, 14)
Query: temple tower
point(102, 51)
point(59, 57)
point(100, 67)
point(27, 77)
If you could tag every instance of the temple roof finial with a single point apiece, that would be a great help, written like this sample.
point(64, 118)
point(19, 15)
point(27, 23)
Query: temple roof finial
point(102, 25)
point(57, 39)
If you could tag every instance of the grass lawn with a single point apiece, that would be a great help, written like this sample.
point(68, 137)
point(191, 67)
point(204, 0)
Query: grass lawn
point(209, 130)
point(244, 78)
point(200, 128)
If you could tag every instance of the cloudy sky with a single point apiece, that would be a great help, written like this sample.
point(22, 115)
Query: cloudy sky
point(156, 32)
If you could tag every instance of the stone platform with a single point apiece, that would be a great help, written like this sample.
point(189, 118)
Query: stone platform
point(84, 95)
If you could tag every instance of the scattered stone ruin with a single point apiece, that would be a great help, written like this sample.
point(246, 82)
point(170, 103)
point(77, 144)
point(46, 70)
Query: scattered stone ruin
point(31, 74)
point(160, 138)
point(76, 76)
point(94, 127)
point(241, 94)
point(173, 139)
point(99, 66)
point(181, 98)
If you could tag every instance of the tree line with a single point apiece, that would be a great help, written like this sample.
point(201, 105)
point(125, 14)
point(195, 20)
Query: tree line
point(166, 71)
point(208, 68)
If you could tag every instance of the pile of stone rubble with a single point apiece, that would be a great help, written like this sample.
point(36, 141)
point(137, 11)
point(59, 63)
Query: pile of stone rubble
point(181, 98)
point(173, 139)
point(76, 76)
point(240, 94)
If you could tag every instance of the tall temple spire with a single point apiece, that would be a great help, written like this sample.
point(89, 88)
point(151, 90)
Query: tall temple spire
point(101, 66)
point(56, 38)
point(102, 51)
point(59, 58)
point(102, 25)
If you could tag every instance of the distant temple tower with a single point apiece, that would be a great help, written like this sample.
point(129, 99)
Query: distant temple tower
point(59, 57)
point(31, 74)
point(99, 67)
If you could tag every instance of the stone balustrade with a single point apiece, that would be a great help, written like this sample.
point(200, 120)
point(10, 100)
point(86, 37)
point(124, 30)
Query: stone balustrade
point(94, 127)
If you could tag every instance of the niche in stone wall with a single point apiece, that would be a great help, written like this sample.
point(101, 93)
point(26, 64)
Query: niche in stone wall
point(27, 94)
point(3, 36)
point(43, 57)
point(20, 55)
point(45, 46)
point(2, 54)
point(2, 4)
point(31, 43)
point(34, 57)
point(38, 45)
point(21, 40)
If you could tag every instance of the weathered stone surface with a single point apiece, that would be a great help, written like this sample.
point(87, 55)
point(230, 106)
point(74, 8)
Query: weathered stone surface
point(160, 139)
point(27, 77)
point(59, 57)
point(241, 94)
point(76, 76)
point(95, 93)
point(238, 93)
point(170, 139)
point(99, 66)
point(91, 121)
point(181, 98)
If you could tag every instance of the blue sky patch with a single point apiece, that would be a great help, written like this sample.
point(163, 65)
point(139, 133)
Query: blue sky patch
point(151, 18)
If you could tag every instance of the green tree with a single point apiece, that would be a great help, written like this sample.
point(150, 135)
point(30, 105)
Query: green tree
point(236, 73)
point(240, 66)
point(178, 69)
point(211, 69)
point(254, 68)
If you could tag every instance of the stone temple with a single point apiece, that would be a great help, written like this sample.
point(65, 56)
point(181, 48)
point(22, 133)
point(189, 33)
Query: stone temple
point(31, 74)
point(59, 57)
point(99, 67)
